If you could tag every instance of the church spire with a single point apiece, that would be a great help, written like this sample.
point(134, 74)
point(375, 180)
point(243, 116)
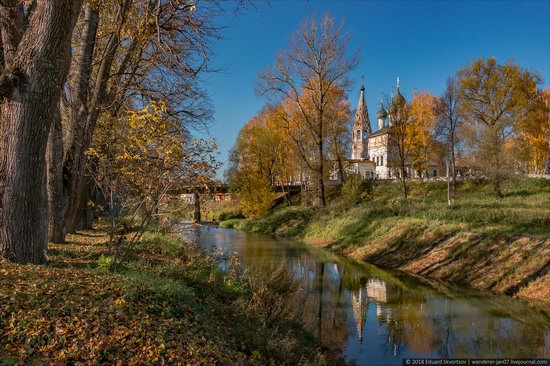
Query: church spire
point(362, 114)
point(361, 128)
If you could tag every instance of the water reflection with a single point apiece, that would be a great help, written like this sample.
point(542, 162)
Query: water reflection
point(377, 317)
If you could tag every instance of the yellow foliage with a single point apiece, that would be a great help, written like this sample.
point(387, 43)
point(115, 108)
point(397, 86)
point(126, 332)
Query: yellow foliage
point(420, 131)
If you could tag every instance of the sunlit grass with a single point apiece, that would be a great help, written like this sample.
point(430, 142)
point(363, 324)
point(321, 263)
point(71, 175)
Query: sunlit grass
point(505, 239)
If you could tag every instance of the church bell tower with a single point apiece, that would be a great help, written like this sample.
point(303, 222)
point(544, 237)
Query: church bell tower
point(361, 130)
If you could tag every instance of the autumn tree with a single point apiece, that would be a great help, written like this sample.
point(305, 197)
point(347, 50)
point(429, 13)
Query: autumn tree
point(315, 63)
point(339, 118)
point(448, 122)
point(494, 98)
point(35, 43)
point(533, 135)
point(420, 134)
point(138, 158)
point(128, 52)
point(261, 159)
point(398, 140)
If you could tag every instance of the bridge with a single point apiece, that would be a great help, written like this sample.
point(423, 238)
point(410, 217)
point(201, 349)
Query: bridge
point(193, 194)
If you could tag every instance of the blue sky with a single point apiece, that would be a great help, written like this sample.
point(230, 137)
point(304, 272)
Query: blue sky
point(422, 42)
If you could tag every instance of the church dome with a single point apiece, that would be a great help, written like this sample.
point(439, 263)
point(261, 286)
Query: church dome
point(381, 114)
point(397, 102)
point(398, 99)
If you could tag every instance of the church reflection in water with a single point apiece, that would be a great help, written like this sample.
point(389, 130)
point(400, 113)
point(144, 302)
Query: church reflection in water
point(375, 290)
point(378, 317)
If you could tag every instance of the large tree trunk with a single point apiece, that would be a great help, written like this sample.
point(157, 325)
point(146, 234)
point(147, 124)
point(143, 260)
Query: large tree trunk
point(13, 26)
point(84, 211)
point(30, 88)
point(56, 218)
point(54, 163)
point(86, 122)
point(78, 115)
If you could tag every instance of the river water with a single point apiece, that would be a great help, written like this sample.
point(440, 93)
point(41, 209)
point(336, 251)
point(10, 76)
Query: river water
point(379, 317)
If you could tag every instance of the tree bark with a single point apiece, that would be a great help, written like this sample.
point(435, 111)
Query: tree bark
point(12, 19)
point(56, 217)
point(321, 200)
point(77, 120)
point(453, 162)
point(26, 109)
point(404, 181)
point(54, 163)
point(496, 187)
point(87, 121)
point(197, 205)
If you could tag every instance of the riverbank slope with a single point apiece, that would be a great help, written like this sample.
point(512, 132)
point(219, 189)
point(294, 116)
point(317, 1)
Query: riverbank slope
point(168, 304)
point(481, 242)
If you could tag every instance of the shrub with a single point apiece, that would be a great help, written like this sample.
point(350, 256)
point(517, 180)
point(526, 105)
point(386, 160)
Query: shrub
point(106, 262)
point(273, 292)
point(356, 189)
point(230, 223)
point(230, 215)
point(256, 197)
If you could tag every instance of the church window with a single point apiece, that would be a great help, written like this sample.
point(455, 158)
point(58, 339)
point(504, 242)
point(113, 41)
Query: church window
point(364, 135)
point(358, 135)
point(382, 160)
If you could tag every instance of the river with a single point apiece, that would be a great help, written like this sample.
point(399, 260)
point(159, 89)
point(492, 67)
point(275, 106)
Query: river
point(378, 317)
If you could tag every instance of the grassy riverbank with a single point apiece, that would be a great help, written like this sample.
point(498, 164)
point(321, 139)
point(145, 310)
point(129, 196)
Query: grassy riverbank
point(485, 243)
point(169, 304)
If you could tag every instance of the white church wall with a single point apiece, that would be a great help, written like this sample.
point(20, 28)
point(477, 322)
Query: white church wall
point(378, 151)
point(365, 169)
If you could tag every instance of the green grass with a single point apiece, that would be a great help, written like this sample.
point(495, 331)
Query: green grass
point(525, 209)
point(479, 232)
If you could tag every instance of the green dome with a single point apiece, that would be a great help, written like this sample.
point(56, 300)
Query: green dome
point(381, 114)
point(397, 102)
point(398, 99)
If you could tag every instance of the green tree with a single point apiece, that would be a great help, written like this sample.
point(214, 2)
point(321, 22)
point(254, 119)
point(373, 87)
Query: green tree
point(356, 189)
point(399, 139)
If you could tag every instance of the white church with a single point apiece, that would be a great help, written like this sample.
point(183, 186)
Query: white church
point(374, 154)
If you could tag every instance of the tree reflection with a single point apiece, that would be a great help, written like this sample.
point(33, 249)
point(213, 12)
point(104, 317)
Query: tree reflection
point(345, 304)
